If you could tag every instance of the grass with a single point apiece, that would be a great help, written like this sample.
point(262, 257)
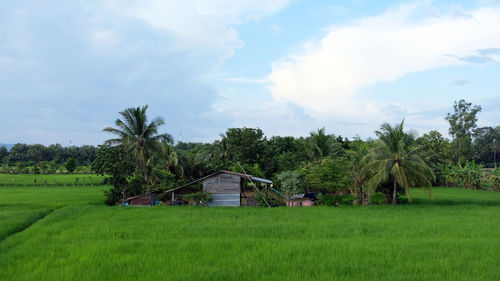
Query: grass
point(16, 218)
point(53, 197)
point(451, 240)
point(50, 179)
point(455, 196)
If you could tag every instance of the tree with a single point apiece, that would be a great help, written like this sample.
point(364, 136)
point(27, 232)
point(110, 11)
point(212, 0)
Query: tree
point(245, 145)
point(70, 165)
point(495, 145)
point(290, 182)
point(359, 157)
point(330, 175)
point(396, 160)
point(19, 152)
point(3, 154)
point(119, 165)
point(321, 143)
point(136, 134)
point(462, 125)
point(485, 145)
point(435, 148)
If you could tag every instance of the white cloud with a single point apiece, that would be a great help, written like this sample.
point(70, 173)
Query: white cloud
point(66, 55)
point(200, 21)
point(327, 76)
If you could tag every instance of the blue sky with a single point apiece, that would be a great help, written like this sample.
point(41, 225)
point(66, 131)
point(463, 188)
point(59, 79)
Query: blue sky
point(286, 66)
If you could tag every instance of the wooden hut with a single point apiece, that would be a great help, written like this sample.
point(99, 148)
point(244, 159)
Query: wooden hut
point(227, 188)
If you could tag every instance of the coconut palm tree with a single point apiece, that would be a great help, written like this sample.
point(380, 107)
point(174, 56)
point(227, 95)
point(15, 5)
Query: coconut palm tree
point(359, 157)
point(321, 143)
point(136, 134)
point(396, 160)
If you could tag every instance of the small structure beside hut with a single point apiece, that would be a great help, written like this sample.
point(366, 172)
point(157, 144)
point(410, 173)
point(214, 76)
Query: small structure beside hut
point(148, 199)
point(226, 187)
point(301, 199)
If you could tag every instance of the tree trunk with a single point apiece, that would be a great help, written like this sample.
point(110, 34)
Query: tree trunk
point(394, 193)
point(495, 156)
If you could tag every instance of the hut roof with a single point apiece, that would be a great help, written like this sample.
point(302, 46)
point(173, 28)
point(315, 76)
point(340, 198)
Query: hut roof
point(249, 177)
point(137, 196)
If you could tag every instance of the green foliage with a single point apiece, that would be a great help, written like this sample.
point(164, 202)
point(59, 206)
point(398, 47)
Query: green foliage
point(435, 149)
point(326, 199)
point(346, 199)
point(199, 198)
point(245, 145)
point(137, 135)
point(359, 158)
point(396, 161)
point(118, 164)
point(486, 146)
point(290, 182)
point(331, 175)
point(263, 196)
point(253, 170)
point(467, 174)
point(335, 199)
point(164, 179)
point(3, 155)
point(70, 165)
point(378, 198)
point(462, 124)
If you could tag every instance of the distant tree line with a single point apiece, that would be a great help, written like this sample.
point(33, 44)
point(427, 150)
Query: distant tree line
point(140, 159)
point(37, 158)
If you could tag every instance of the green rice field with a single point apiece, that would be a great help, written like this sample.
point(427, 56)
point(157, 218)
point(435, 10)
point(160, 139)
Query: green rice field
point(50, 179)
point(455, 236)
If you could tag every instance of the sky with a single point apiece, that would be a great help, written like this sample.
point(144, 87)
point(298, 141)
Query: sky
point(288, 67)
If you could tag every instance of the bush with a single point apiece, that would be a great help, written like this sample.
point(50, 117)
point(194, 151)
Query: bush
point(378, 198)
point(70, 165)
point(326, 199)
point(290, 182)
point(270, 199)
point(347, 199)
point(199, 198)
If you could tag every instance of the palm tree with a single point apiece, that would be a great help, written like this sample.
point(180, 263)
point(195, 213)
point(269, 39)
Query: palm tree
point(396, 158)
point(134, 133)
point(321, 143)
point(359, 158)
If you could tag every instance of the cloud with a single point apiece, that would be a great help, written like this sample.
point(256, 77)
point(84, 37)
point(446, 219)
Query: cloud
point(68, 67)
point(327, 76)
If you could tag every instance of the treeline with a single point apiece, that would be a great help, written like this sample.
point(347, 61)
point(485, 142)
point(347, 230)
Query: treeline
point(37, 158)
point(323, 163)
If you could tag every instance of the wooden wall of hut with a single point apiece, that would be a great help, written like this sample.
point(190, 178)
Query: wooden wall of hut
point(225, 188)
point(223, 184)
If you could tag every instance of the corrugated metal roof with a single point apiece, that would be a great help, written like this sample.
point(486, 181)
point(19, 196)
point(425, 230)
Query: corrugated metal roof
point(262, 180)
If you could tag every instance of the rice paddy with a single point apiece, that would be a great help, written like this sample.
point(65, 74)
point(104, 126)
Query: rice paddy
point(453, 237)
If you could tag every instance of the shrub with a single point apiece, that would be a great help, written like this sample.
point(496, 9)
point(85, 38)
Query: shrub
point(70, 165)
point(346, 199)
point(199, 198)
point(378, 198)
point(326, 199)
point(290, 182)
